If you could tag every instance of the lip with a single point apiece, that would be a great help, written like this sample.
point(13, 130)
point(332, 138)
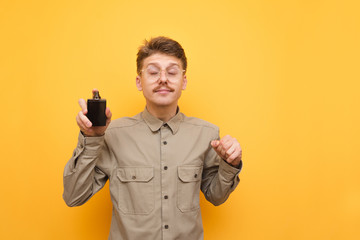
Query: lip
point(163, 90)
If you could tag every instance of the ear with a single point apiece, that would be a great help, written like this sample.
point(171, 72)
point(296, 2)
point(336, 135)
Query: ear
point(184, 83)
point(138, 83)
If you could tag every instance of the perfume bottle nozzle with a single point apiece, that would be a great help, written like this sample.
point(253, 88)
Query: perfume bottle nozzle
point(96, 95)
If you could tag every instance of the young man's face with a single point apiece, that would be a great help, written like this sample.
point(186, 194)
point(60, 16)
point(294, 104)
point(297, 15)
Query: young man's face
point(162, 80)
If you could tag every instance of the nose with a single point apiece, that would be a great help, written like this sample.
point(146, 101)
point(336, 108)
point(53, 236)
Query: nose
point(163, 77)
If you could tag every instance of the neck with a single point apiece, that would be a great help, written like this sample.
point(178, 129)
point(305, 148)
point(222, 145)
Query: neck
point(164, 113)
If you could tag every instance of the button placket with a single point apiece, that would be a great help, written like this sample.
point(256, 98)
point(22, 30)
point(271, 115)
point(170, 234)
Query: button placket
point(165, 133)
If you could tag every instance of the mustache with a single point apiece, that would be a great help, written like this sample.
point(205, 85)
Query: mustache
point(163, 87)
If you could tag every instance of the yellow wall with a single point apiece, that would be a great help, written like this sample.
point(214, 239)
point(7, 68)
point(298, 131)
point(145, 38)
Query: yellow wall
point(280, 76)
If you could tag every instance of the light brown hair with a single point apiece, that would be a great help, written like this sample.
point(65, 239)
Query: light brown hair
point(162, 45)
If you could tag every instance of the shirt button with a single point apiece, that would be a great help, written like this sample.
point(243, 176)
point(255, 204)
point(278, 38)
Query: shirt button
point(164, 142)
point(165, 168)
point(195, 176)
point(133, 177)
point(166, 197)
point(166, 226)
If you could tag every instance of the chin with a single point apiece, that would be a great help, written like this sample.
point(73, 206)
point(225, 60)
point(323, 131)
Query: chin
point(163, 102)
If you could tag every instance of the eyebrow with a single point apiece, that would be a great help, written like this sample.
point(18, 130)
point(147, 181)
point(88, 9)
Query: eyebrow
point(157, 65)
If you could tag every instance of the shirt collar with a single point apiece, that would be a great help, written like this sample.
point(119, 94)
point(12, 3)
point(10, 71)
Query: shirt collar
point(155, 124)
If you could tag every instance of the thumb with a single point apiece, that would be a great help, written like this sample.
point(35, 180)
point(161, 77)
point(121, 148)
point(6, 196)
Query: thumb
point(215, 143)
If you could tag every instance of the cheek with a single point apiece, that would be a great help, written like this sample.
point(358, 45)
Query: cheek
point(147, 89)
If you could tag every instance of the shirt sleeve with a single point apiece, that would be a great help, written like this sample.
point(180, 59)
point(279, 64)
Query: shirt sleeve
point(82, 178)
point(219, 178)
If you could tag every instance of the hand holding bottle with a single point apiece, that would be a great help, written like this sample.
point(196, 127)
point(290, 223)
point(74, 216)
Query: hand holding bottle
point(85, 125)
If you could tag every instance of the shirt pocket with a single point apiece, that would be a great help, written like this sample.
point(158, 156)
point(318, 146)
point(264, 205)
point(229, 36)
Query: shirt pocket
point(188, 187)
point(136, 190)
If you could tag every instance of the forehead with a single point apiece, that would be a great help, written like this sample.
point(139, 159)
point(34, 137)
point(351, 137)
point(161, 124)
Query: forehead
point(162, 60)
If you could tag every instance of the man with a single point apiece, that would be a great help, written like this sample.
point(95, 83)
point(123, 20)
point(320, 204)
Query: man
point(157, 161)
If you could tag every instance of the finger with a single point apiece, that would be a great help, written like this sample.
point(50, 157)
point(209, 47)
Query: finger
point(216, 146)
point(215, 143)
point(108, 113)
point(226, 138)
point(232, 148)
point(83, 105)
point(86, 122)
point(227, 142)
point(234, 156)
point(222, 151)
point(81, 124)
point(219, 149)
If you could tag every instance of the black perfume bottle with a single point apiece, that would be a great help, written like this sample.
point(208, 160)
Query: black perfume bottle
point(96, 110)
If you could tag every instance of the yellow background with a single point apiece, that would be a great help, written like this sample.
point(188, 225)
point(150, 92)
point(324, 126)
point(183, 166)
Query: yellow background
point(280, 76)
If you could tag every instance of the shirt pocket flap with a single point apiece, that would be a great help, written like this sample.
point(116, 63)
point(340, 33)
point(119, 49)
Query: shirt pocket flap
point(190, 173)
point(135, 174)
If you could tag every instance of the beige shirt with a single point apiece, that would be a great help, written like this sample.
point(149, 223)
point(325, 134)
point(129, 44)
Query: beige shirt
point(155, 171)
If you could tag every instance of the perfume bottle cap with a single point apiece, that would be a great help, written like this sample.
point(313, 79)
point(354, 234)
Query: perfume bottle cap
point(96, 95)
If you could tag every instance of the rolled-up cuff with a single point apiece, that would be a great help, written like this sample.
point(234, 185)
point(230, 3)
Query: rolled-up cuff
point(227, 171)
point(90, 144)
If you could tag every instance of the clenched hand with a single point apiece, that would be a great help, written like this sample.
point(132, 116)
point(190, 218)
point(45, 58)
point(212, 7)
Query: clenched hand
point(228, 148)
